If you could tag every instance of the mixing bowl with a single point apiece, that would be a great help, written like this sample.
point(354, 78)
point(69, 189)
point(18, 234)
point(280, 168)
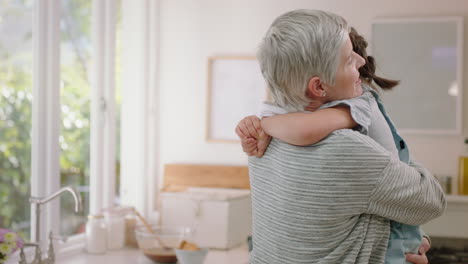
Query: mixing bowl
point(171, 237)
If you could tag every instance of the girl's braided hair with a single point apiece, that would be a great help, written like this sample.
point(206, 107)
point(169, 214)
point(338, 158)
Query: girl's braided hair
point(367, 71)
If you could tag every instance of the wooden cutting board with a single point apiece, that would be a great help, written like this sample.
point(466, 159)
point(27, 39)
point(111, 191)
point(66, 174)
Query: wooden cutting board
point(178, 177)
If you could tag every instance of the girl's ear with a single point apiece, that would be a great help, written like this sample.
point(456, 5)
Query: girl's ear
point(315, 89)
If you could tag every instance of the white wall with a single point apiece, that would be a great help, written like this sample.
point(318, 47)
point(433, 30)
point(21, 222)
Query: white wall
point(193, 30)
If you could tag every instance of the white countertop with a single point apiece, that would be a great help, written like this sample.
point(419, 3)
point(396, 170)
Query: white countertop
point(238, 255)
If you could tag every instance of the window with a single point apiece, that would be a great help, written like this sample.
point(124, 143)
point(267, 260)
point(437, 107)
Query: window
point(75, 98)
point(15, 113)
point(32, 122)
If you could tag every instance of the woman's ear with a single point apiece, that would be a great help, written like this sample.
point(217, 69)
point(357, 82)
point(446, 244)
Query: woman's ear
point(315, 89)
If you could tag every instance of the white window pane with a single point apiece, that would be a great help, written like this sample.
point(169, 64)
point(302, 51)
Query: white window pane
point(15, 113)
point(75, 67)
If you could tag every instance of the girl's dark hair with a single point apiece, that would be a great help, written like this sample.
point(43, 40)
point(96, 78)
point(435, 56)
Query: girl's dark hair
point(367, 71)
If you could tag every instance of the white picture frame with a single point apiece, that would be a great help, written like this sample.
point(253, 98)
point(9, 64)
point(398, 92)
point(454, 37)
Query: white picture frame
point(235, 89)
point(426, 54)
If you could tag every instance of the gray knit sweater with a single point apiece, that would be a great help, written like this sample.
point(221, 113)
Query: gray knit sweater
point(331, 202)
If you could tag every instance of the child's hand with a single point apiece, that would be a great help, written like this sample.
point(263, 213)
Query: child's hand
point(420, 257)
point(249, 127)
point(249, 146)
point(262, 144)
point(253, 139)
point(254, 147)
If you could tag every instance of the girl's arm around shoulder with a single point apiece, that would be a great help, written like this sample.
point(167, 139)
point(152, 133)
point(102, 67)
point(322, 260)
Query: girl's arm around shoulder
point(308, 128)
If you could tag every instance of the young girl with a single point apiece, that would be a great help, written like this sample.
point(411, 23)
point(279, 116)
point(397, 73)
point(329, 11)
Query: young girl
point(364, 113)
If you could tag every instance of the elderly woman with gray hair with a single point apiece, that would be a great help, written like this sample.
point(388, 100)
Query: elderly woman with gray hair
point(330, 202)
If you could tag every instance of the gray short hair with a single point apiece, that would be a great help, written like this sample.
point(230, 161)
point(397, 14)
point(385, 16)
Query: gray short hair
point(299, 45)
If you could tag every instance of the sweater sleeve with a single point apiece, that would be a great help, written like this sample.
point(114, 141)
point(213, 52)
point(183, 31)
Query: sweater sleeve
point(409, 194)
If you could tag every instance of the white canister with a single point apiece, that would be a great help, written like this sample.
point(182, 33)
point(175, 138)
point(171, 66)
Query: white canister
point(96, 234)
point(115, 221)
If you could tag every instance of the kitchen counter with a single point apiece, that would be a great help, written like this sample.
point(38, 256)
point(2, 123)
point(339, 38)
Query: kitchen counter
point(238, 255)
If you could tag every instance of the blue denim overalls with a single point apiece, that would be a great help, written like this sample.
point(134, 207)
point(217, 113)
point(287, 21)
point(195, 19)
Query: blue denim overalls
point(403, 238)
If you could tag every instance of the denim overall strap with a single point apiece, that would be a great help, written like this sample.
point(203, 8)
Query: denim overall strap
point(403, 151)
point(403, 238)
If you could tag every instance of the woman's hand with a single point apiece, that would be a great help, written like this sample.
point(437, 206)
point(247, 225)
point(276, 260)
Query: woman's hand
point(253, 139)
point(420, 258)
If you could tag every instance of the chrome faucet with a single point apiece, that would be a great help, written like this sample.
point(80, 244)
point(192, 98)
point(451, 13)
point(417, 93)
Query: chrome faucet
point(76, 196)
point(37, 201)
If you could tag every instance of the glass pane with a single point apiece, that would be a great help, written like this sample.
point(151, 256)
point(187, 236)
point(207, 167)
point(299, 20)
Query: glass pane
point(15, 113)
point(75, 68)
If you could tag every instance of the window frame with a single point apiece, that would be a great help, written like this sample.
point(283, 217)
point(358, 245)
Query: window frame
point(140, 113)
point(45, 150)
point(139, 151)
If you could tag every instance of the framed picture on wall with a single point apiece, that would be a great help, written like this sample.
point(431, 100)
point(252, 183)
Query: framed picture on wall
point(426, 54)
point(236, 89)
